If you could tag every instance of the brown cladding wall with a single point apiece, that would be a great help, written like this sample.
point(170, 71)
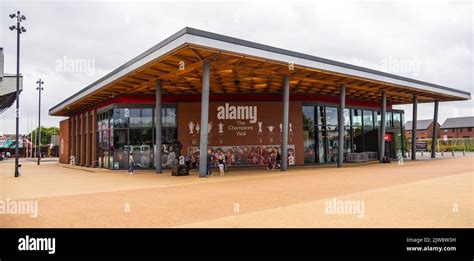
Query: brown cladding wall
point(64, 141)
point(227, 130)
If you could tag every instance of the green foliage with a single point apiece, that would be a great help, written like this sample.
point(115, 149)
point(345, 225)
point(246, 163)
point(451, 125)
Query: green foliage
point(46, 133)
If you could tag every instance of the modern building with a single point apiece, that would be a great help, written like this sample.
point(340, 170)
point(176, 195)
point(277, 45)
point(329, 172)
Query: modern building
point(7, 86)
point(460, 127)
point(211, 91)
point(424, 129)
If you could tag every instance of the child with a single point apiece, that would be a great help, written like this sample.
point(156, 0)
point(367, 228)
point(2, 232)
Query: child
point(220, 161)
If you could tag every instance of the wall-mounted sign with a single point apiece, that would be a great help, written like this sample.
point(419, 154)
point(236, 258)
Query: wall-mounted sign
point(240, 124)
point(248, 155)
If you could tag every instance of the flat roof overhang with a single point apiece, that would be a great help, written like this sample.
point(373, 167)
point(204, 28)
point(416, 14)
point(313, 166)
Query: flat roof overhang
point(240, 67)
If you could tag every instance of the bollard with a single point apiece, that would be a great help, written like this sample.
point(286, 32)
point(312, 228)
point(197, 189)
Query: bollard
point(464, 152)
point(442, 153)
point(422, 153)
point(452, 153)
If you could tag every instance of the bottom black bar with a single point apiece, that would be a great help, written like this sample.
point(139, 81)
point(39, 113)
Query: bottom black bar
point(402, 243)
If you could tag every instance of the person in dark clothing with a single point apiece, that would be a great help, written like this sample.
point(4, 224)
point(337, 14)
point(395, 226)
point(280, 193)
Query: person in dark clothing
point(226, 169)
point(271, 161)
point(187, 162)
point(209, 163)
point(278, 159)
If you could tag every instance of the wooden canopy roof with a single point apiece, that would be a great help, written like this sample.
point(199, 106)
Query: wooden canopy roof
point(178, 62)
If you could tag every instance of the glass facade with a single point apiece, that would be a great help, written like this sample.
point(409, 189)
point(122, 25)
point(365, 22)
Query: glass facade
point(308, 134)
point(125, 134)
point(361, 132)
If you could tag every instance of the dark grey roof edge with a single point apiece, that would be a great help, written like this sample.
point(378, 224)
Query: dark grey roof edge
point(238, 41)
point(224, 38)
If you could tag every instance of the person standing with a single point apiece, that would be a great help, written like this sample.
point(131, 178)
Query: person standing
point(220, 162)
point(209, 163)
point(187, 162)
point(278, 159)
point(271, 161)
point(226, 162)
point(130, 164)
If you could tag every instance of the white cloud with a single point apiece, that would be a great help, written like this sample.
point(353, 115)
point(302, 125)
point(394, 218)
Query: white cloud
point(437, 34)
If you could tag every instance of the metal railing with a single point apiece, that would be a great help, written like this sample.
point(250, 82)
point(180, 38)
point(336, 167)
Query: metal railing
point(357, 157)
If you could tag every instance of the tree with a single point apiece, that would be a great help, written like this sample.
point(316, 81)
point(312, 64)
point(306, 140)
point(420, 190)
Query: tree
point(46, 134)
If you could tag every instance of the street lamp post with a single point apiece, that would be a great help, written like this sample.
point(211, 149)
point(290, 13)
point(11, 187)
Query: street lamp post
point(39, 88)
point(19, 29)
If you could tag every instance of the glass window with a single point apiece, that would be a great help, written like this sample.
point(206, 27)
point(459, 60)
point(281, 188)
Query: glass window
point(169, 135)
point(347, 140)
point(321, 144)
point(321, 115)
point(308, 115)
point(333, 146)
point(368, 118)
point(121, 116)
point(135, 118)
point(169, 116)
point(147, 117)
point(378, 119)
point(358, 144)
point(309, 145)
point(397, 119)
point(388, 119)
point(356, 118)
point(347, 117)
point(331, 116)
point(141, 141)
point(308, 134)
point(141, 118)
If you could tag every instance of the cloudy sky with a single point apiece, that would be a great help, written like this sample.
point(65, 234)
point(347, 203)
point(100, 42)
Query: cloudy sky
point(430, 40)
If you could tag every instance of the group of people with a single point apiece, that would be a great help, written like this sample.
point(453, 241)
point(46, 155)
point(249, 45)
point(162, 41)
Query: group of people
point(221, 163)
point(214, 158)
point(274, 160)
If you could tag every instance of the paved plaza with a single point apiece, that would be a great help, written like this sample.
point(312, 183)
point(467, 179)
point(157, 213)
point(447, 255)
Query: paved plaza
point(425, 193)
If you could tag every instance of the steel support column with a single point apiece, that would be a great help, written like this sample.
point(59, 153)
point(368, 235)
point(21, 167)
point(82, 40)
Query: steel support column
point(383, 113)
point(76, 155)
point(204, 120)
point(94, 139)
point(285, 123)
point(435, 130)
point(158, 128)
point(413, 128)
point(342, 105)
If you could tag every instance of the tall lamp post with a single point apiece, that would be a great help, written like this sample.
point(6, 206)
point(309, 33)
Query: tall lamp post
point(39, 88)
point(19, 29)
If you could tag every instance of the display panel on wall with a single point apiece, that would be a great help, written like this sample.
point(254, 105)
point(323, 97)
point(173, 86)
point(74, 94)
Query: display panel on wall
point(248, 155)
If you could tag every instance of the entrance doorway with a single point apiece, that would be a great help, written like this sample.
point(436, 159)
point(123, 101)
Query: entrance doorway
point(389, 146)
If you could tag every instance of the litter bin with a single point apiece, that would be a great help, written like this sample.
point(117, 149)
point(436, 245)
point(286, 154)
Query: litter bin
point(179, 170)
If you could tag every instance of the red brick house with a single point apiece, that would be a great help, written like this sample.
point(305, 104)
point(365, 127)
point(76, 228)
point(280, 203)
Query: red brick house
point(460, 127)
point(424, 129)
